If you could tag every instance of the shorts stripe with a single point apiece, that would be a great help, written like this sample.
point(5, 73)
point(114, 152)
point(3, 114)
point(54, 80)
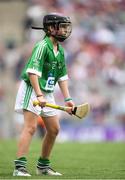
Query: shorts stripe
point(27, 96)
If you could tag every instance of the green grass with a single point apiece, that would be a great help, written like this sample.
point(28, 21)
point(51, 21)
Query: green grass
point(74, 160)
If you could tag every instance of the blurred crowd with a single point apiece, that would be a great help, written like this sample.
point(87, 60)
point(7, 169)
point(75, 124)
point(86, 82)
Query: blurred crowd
point(95, 55)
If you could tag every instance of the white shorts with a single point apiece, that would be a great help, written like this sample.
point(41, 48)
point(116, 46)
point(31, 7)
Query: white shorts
point(25, 97)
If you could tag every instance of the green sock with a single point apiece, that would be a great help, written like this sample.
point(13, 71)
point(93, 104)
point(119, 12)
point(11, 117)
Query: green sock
point(20, 162)
point(42, 162)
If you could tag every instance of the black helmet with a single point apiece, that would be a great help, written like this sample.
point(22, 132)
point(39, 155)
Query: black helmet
point(57, 21)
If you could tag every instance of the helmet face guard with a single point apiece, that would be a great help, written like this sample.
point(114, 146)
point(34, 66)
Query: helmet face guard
point(62, 31)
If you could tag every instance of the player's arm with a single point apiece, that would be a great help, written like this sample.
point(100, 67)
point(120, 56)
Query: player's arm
point(35, 84)
point(65, 91)
point(64, 88)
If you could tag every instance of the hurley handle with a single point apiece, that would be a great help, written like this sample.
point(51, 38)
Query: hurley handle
point(35, 103)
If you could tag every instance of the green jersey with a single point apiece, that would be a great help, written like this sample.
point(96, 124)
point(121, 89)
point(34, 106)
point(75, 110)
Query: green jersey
point(49, 66)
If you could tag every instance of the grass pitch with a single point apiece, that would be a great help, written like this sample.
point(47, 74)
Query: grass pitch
point(73, 160)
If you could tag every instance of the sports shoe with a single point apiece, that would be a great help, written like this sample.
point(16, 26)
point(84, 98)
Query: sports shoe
point(21, 172)
point(47, 171)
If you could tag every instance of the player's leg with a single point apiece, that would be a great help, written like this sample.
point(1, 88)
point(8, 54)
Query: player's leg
point(52, 129)
point(30, 124)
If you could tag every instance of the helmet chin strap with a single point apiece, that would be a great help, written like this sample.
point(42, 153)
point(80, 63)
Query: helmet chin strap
point(60, 38)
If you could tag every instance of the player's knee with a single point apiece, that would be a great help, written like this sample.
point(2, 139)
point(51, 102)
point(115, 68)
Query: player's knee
point(31, 129)
point(54, 131)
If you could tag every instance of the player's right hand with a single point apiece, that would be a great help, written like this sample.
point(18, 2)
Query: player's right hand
point(42, 101)
point(70, 105)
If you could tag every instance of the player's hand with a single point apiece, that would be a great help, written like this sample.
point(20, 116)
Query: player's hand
point(42, 101)
point(71, 105)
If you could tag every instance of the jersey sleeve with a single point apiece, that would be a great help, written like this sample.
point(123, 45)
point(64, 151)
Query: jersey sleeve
point(63, 78)
point(35, 64)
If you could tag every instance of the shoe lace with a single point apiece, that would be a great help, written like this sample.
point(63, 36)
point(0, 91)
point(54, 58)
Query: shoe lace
point(46, 168)
point(23, 170)
point(51, 169)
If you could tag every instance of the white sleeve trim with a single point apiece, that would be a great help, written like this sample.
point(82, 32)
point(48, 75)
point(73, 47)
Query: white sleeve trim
point(34, 71)
point(63, 78)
